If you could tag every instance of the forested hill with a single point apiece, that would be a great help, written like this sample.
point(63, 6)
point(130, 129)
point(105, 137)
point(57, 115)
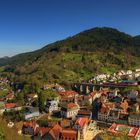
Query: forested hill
point(77, 57)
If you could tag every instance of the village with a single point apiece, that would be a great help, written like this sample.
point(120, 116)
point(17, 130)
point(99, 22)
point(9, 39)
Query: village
point(111, 104)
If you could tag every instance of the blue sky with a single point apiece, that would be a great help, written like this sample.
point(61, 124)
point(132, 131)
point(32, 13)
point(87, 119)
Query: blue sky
point(27, 25)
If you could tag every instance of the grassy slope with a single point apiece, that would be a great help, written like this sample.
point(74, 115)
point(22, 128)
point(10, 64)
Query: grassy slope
point(10, 133)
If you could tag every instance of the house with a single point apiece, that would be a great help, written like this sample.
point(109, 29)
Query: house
point(51, 106)
point(48, 133)
point(12, 106)
point(32, 96)
point(137, 107)
point(69, 134)
point(137, 73)
point(9, 96)
point(40, 133)
point(121, 73)
point(49, 86)
point(56, 87)
point(70, 93)
point(80, 99)
point(81, 126)
point(134, 119)
point(132, 94)
point(103, 112)
point(113, 94)
point(65, 123)
point(84, 113)
point(31, 112)
point(120, 128)
point(59, 88)
point(113, 115)
point(138, 78)
point(137, 70)
point(29, 127)
point(101, 77)
point(70, 110)
point(94, 95)
point(129, 72)
point(124, 105)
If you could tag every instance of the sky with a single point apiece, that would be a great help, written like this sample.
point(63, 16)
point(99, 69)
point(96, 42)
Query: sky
point(27, 25)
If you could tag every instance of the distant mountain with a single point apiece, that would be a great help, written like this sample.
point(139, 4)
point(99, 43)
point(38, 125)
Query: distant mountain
point(4, 60)
point(137, 40)
point(78, 57)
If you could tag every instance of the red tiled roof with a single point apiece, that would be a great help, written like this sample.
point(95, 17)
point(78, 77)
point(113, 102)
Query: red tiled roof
point(106, 107)
point(54, 132)
point(93, 93)
point(30, 124)
point(133, 132)
point(10, 105)
point(64, 123)
point(67, 93)
point(82, 121)
point(104, 110)
point(68, 134)
point(71, 105)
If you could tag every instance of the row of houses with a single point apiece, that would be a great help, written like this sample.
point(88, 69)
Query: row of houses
point(116, 76)
point(56, 131)
point(118, 112)
point(8, 107)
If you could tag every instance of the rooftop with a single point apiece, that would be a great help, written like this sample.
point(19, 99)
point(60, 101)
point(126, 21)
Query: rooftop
point(30, 124)
point(82, 121)
point(120, 128)
point(70, 106)
point(10, 105)
point(68, 134)
point(68, 93)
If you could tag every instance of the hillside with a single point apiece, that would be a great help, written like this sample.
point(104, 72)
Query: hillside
point(76, 58)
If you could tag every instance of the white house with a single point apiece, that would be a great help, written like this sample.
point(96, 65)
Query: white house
point(70, 110)
point(129, 72)
point(32, 113)
point(121, 73)
point(51, 106)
